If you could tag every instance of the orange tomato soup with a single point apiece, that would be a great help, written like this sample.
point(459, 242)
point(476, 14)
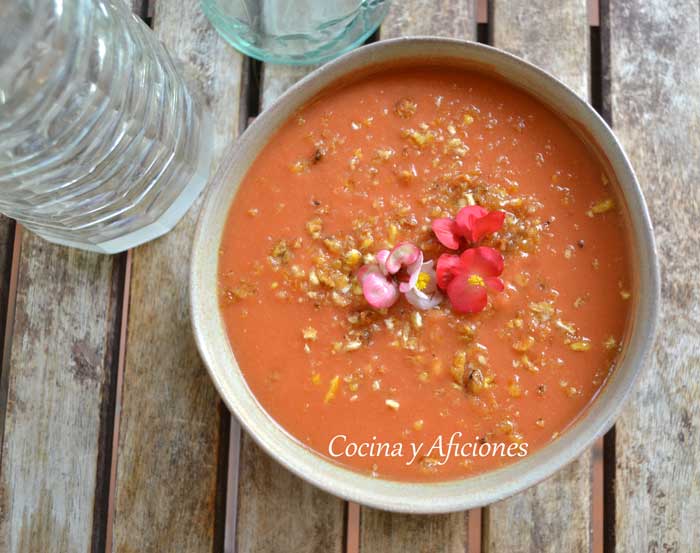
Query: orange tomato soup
point(403, 393)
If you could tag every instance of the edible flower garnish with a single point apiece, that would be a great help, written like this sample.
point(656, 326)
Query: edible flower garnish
point(399, 271)
point(472, 223)
point(466, 277)
point(422, 291)
point(404, 256)
point(379, 288)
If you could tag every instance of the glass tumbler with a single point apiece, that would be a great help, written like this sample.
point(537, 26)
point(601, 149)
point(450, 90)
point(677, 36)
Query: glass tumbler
point(102, 144)
point(295, 32)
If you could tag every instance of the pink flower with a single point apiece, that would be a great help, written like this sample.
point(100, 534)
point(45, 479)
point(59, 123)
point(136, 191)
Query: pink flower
point(422, 291)
point(380, 290)
point(400, 270)
point(471, 224)
point(467, 277)
point(404, 256)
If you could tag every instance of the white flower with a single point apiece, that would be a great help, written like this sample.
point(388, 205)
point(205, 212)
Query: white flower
point(421, 291)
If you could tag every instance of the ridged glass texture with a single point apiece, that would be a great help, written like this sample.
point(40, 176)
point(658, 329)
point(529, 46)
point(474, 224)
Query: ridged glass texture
point(102, 145)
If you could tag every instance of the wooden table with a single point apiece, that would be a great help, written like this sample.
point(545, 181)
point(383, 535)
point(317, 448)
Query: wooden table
point(113, 437)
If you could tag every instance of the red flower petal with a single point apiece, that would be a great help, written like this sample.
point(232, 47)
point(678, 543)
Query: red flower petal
point(447, 232)
point(474, 222)
point(447, 264)
point(495, 283)
point(465, 296)
point(483, 261)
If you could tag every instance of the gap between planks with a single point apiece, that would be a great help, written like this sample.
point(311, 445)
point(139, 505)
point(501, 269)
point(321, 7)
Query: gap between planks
point(118, 401)
point(9, 328)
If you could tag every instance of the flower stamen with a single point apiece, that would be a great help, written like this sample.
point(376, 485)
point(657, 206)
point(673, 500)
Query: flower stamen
point(423, 281)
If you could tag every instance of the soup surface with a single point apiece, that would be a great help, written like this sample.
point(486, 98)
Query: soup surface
point(403, 392)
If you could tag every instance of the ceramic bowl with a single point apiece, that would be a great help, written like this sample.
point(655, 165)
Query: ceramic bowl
point(451, 495)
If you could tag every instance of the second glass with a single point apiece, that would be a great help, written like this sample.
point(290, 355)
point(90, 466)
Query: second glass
point(296, 32)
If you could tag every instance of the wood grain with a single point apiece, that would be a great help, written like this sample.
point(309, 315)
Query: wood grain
point(279, 512)
point(381, 531)
point(167, 477)
point(276, 79)
point(555, 515)
point(654, 101)
point(276, 510)
point(557, 40)
point(448, 18)
point(59, 384)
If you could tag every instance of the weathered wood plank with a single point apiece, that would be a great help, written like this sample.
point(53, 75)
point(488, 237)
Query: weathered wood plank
point(654, 102)
point(448, 18)
point(275, 79)
point(278, 511)
point(390, 532)
point(382, 531)
point(555, 515)
point(165, 496)
point(59, 384)
point(554, 38)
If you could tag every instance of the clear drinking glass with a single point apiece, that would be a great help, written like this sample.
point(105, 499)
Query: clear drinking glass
point(295, 32)
point(102, 145)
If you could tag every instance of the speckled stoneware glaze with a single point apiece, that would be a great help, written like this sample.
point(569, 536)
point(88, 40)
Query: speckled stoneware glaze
point(452, 495)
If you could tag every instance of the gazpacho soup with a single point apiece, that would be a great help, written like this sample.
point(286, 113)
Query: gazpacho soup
point(425, 274)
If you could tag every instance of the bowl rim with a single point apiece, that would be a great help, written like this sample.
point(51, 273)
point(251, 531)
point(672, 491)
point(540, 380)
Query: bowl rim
point(402, 496)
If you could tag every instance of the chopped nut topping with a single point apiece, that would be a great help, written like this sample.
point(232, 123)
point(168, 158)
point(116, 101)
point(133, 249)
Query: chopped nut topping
point(475, 382)
point(280, 254)
point(416, 320)
point(567, 327)
point(392, 404)
point(420, 139)
point(314, 227)
point(459, 362)
point(543, 309)
point(524, 344)
point(602, 206)
point(581, 345)
point(384, 154)
point(309, 333)
point(405, 108)
point(352, 258)
point(353, 346)
point(333, 245)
